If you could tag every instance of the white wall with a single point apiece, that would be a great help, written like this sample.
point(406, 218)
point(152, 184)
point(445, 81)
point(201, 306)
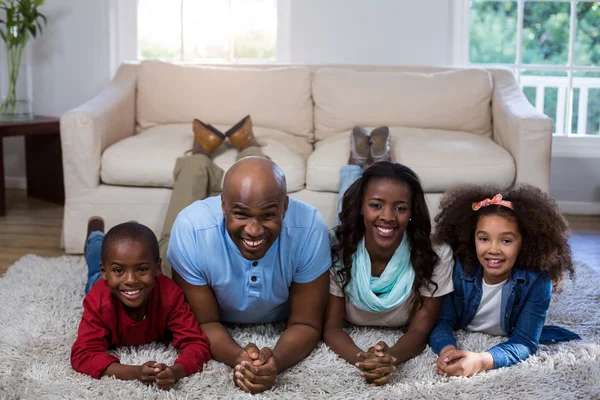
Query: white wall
point(381, 32)
point(575, 184)
point(70, 65)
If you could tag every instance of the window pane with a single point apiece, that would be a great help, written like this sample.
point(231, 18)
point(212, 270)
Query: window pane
point(587, 104)
point(551, 89)
point(159, 29)
point(576, 92)
point(493, 32)
point(545, 32)
point(206, 29)
point(587, 38)
point(255, 28)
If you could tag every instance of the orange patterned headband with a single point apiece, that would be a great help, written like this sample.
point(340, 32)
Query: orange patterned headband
point(496, 200)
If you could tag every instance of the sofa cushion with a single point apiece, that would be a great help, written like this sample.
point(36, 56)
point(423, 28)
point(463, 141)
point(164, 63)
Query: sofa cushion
point(441, 159)
point(454, 100)
point(276, 97)
point(148, 158)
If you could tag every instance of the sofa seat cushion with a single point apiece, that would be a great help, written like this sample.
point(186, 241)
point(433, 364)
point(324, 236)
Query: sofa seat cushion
point(441, 159)
point(148, 158)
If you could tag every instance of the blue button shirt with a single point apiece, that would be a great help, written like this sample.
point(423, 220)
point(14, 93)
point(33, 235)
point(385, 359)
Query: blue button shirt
point(247, 291)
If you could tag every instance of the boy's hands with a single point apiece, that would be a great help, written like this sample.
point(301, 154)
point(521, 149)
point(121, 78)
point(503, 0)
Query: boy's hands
point(146, 373)
point(462, 362)
point(167, 376)
point(162, 375)
point(256, 370)
point(376, 364)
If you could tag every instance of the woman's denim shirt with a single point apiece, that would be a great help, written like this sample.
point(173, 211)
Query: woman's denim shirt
point(525, 301)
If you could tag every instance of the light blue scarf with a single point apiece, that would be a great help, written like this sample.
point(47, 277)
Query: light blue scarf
point(384, 293)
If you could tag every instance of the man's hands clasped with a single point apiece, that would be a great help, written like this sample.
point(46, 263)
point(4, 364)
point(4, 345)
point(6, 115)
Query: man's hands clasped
point(255, 370)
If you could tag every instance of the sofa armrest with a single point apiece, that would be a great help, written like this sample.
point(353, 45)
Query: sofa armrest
point(87, 130)
point(522, 130)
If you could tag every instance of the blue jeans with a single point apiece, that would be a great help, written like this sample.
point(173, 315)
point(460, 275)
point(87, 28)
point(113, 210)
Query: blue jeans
point(93, 250)
point(348, 175)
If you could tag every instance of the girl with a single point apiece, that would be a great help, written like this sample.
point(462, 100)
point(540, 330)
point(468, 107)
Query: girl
point(510, 247)
point(386, 272)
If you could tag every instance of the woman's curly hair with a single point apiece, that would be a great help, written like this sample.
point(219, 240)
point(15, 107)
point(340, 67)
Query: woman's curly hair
point(351, 228)
point(544, 230)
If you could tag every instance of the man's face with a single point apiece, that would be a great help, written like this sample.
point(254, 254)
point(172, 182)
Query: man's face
point(254, 214)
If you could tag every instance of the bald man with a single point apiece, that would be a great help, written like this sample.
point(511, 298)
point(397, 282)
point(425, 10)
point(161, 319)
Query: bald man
point(253, 255)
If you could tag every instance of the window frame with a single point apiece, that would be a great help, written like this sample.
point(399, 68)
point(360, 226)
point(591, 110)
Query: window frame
point(461, 40)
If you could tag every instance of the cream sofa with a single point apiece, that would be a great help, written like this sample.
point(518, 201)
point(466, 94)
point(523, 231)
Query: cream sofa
point(451, 125)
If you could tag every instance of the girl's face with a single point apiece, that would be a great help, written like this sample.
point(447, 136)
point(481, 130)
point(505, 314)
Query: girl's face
point(386, 211)
point(497, 243)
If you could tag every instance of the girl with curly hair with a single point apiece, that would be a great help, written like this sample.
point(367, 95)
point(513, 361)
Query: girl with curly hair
point(386, 271)
point(510, 247)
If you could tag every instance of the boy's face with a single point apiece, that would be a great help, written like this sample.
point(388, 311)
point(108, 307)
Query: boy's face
point(130, 271)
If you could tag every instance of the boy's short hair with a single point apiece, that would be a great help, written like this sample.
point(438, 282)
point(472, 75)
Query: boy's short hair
point(130, 231)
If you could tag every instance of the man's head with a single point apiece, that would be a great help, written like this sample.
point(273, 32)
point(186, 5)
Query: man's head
point(254, 203)
point(130, 263)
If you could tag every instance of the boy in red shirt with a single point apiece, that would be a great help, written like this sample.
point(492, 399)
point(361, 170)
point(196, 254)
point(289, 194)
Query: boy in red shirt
point(133, 304)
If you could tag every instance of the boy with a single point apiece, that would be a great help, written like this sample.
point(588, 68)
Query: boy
point(132, 305)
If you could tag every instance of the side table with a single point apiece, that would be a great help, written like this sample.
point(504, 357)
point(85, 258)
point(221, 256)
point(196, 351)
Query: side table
point(43, 158)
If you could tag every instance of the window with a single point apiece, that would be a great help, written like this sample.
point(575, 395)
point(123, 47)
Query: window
point(212, 31)
point(554, 48)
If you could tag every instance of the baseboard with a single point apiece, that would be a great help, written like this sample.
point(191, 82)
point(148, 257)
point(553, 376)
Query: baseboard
point(579, 207)
point(15, 182)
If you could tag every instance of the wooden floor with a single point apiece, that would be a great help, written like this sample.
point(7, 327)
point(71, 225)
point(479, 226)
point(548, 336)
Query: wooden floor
point(34, 226)
point(30, 226)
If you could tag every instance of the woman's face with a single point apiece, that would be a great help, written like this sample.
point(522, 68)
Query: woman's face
point(386, 210)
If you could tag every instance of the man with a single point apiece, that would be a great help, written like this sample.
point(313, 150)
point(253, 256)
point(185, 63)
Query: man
point(253, 255)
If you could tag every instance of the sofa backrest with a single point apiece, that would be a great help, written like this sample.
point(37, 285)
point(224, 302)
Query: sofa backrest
point(277, 97)
point(451, 99)
point(316, 101)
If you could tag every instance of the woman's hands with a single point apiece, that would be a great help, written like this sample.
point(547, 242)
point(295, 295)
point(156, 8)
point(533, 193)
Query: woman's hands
point(455, 362)
point(376, 364)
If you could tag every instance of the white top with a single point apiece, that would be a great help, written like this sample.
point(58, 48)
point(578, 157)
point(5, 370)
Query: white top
point(442, 276)
point(487, 318)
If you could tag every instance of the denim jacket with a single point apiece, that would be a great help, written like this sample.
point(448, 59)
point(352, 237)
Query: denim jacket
point(525, 301)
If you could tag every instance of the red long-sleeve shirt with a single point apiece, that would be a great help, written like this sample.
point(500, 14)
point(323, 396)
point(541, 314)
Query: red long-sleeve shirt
point(105, 323)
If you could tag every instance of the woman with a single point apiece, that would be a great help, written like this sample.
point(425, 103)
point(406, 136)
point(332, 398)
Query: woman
point(386, 271)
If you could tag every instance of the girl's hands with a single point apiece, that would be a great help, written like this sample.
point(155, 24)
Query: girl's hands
point(440, 364)
point(376, 364)
point(462, 362)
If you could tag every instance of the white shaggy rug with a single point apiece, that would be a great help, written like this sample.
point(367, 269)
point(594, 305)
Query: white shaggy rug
point(41, 306)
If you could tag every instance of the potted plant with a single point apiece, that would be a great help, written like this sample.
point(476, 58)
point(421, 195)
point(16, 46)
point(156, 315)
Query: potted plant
point(22, 21)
